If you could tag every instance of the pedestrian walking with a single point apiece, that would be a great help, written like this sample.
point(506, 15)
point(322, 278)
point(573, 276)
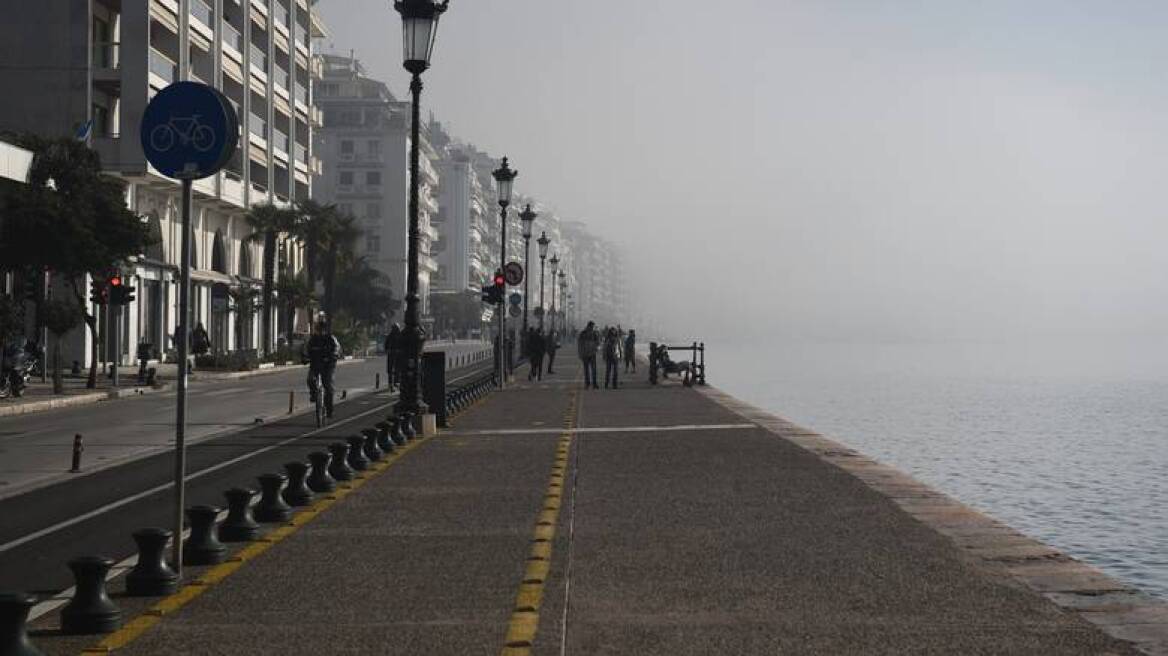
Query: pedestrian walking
point(631, 351)
point(586, 345)
point(200, 340)
point(612, 357)
point(552, 345)
point(535, 349)
point(392, 356)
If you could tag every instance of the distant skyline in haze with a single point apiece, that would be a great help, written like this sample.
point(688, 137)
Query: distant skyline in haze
point(885, 171)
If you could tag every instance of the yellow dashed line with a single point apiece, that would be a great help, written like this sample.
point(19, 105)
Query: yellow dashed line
point(524, 622)
point(169, 605)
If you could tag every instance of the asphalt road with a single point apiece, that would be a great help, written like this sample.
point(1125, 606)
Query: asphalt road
point(36, 449)
point(95, 514)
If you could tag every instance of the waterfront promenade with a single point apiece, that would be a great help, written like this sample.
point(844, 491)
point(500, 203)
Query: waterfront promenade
point(549, 519)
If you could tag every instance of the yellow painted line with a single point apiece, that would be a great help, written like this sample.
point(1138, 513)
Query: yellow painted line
point(524, 622)
point(133, 629)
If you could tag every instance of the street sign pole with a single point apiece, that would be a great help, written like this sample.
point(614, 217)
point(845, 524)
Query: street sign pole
point(180, 416)
point(189, 131)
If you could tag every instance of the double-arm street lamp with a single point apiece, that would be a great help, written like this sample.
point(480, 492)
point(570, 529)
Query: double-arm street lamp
point(526, 220)
point(504, 178)
point(555, 262)
point(543, 242)
point(419, 27)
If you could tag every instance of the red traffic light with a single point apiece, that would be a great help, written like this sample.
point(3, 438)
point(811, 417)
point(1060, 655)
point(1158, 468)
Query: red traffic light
point(499, 280)
point(115, 281)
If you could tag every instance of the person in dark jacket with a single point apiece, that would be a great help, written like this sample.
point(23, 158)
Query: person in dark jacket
point(631, 351)
point(612, 357)
point(535, 349)
point(321, 353)
point(393, 355)
point(551, 345)
point(586, 344)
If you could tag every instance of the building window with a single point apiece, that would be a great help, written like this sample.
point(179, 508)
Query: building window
point(346, 147)
point(329, 89)
point(346, 178)
point(373, 178)
point(373, 146)
point(373, 211)
point(372, 243)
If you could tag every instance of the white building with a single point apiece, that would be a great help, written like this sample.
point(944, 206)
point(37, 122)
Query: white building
point(72, 65)
point(364, 147)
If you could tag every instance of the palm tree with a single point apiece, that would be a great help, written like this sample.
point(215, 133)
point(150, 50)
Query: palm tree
point(267, 222)
point(312, 229)
point(342, 234)
point(295, 293)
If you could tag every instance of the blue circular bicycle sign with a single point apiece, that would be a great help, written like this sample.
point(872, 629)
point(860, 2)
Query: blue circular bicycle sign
point(189, 131)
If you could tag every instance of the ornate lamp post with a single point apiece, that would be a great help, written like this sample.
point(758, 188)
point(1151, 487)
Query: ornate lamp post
point(526, 219)
point(543, 242)
point(419, 26)
point(504, 178)
point(563, 301)
point(555, 262)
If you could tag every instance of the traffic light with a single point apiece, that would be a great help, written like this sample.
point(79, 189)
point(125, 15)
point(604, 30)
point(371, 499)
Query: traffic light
point(488, 293)
point(98, 292)
point(500, 287)
point(117, 293)
point(127, 294)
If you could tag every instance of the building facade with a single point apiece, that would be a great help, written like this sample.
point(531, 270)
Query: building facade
point(90, 68)
point(364, 147)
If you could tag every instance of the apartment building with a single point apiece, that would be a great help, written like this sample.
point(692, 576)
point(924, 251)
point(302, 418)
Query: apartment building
point(364, 147)
point(89, 68)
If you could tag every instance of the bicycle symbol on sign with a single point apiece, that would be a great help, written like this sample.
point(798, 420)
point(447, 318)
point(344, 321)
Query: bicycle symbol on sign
point(186, 130)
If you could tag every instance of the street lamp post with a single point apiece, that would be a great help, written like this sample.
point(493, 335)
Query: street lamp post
point(555, 261)
point(526, 219)
point(504, 178)
point(543, 242)
point(419, 27)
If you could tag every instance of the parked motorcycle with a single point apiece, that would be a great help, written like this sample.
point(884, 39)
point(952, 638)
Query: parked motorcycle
point(16, 368)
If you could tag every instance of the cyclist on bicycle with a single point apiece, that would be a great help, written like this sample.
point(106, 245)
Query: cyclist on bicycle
point(321, 352)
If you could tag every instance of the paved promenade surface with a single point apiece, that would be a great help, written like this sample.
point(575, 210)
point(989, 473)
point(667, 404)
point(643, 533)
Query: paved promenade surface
point(665, 523)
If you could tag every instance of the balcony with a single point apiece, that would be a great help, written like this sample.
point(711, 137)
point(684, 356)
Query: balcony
point(203, 13)
point(301, 38)
point(232, 189)
point(280, 16)
point(105, 55)
point(280, 80)
point(232, 38)
point(163, 67)
point(259, 60)
point(280, 142)
point(301, 95)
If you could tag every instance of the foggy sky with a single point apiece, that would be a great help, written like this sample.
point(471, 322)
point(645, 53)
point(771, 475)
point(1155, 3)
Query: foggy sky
point(867, 170)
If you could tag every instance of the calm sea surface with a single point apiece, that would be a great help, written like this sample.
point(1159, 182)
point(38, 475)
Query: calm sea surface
point(1068, 445)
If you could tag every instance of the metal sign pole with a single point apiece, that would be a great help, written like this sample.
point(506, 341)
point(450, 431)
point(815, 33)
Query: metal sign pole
point(180, 420)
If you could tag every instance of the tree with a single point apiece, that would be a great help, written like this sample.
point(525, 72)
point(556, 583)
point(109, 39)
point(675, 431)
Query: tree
point(365, 294)
point(294, 293)
point(243, 303)
point(313, 228)
point(338, 254)
point(59, 317)
point(78, 226)
point(267, 223)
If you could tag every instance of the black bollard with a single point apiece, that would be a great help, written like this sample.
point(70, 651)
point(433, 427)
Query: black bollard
point(372, 449)
point(296, 493)
point(395, 432)
point(320, 480)
point(339, 467)
point(78, 449)
point(90, 610)
point(407, 425)
point(383, 440)
point(239, 525)
point(357, 459)
point(271, 507)
point(152, 576)
point(14, 608)
point(202, 547)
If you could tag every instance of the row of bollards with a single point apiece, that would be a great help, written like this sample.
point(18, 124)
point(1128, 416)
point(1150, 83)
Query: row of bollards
point(463, 397)
point(91, 611)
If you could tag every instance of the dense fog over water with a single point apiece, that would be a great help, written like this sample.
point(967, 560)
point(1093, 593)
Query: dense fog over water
point(858, 171)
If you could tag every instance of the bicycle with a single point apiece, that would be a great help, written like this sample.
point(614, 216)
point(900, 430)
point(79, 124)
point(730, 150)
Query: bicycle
point(187, 130)
point(321, 415)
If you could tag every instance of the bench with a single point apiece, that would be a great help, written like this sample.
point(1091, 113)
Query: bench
point(691, 371)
